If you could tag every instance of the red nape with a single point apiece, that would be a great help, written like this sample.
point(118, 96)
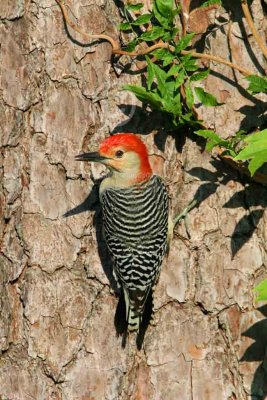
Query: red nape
point(129, 142)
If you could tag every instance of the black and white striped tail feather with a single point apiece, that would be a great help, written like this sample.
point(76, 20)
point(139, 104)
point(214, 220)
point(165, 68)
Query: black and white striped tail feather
point(135, 300)
point(144, 319)
point(133, 320)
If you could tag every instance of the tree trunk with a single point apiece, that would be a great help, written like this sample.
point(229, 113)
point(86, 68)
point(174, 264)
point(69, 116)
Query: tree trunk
point(57, 332)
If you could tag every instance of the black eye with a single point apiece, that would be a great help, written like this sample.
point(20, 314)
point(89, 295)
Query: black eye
point(119, 153)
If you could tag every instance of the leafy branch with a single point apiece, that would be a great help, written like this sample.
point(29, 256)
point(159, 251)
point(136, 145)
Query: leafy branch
point(116, 49)
point(255, 151)
point(251, 148)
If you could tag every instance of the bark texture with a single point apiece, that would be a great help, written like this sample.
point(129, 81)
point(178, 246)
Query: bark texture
point(57, 305)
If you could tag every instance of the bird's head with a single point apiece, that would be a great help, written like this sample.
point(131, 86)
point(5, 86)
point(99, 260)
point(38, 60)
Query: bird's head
point(125, 155)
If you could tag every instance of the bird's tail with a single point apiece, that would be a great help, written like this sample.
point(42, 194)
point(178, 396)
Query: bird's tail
point(135, 300)
point(134, 320)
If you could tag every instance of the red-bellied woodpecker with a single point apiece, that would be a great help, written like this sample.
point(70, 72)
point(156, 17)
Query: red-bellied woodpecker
point(135, 217)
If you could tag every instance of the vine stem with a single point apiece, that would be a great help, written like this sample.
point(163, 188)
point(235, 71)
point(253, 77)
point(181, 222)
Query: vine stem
point(253, 29)
point(115, 45)
point(220, 60)
point(211, 57)
point(117, 50)
point(185, 211)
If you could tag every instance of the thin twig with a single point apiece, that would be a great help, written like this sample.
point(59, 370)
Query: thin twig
point(211, 57)
point(185, 211)
point(220, 60)
point(160, 45)
point(117, 50)
point(253, 29)
point(230, 40)
point(115, 45)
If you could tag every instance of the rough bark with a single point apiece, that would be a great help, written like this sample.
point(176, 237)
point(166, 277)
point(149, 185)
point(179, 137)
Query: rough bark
point(57, 333)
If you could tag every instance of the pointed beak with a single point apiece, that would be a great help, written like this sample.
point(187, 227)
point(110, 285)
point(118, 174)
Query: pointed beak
point(93, 157)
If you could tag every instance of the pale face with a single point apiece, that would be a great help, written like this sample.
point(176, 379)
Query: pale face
point(124, 165)
point(121, 160)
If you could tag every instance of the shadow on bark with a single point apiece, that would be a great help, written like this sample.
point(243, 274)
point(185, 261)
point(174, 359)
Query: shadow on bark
point(253, 195)
point(144, 121)
point(254, 114)
point(92, 203)
point(257, 352)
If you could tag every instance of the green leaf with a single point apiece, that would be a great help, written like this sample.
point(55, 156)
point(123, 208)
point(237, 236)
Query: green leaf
point(161, 77)
point(261, 289)
point(210, 3)
point(165, 7)
point(257, 84)
point(208, 134)
point(173, 71)
point(255, 151)
point(165, 22)
point(189, 63)
point(184, 42)
point(143, 19)
point(164, 55)
point(131, 45)
point(173, 105)
point(124, 26)
point(188, 117)
point(155, 33)
point(212, 139)
point(169, 35)
point(206, 98)
point(191, 66)
point(150, 73)
point(180, 78)
point(167, 59)
point(252, 149)
point(257, 137)
point(199, 76)
point(170, 86)
point(189, 96)
point(257, 162)
point(134, 7)
point(159, 53)
point(230, 152)
point(239, 135)
point(143, 95)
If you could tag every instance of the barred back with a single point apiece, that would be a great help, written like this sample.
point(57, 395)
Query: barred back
point(136, 227)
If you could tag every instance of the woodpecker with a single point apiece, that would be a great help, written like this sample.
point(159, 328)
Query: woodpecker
point(135, 207)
